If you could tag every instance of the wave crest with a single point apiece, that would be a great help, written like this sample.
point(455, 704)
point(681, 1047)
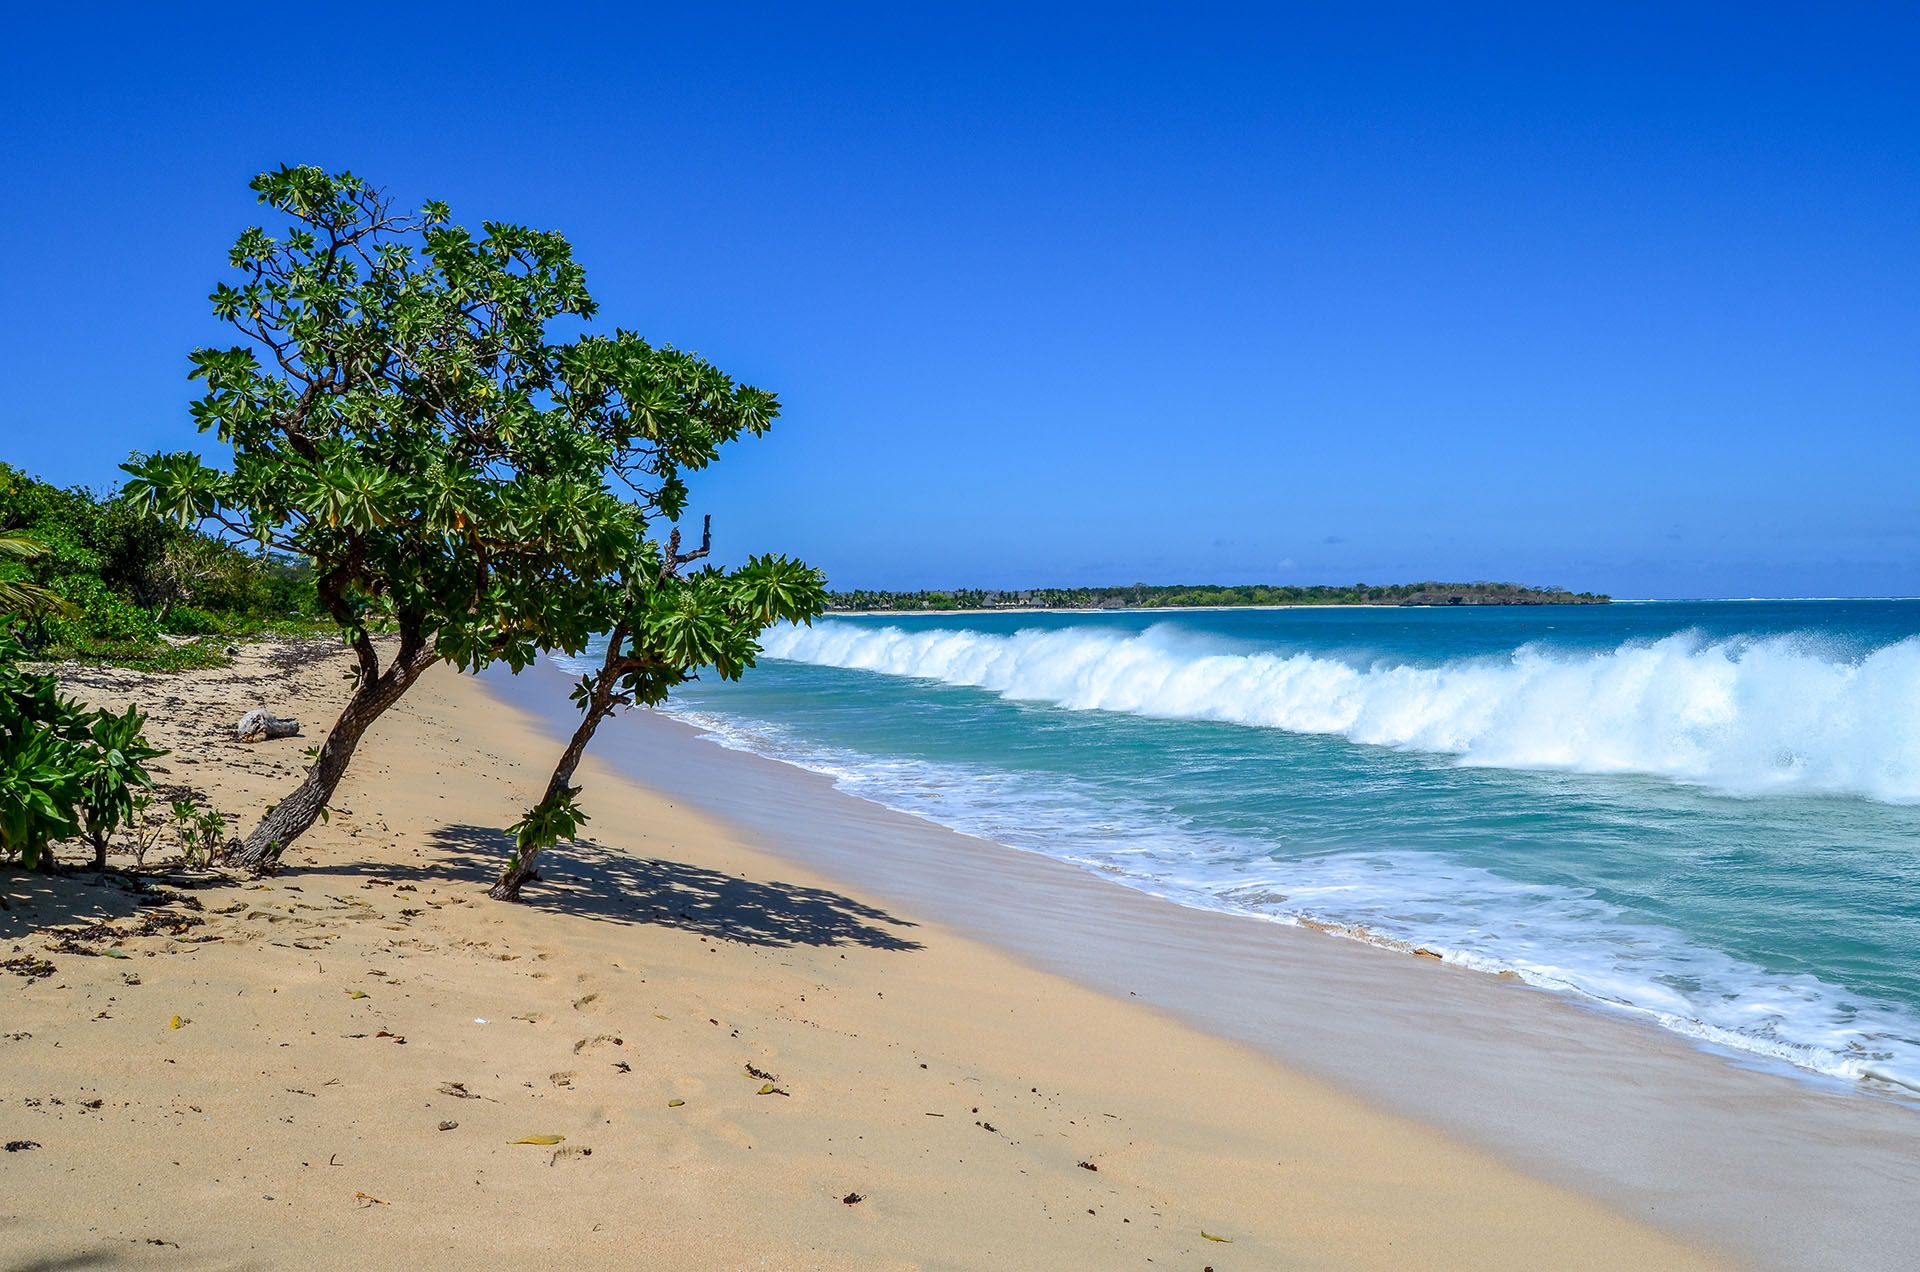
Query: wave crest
point(1745, 715)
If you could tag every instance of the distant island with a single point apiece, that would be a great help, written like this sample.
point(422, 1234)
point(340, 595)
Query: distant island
point(1180, 596)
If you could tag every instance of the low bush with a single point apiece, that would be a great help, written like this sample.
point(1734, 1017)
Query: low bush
point(190, 620)
point(95, 613)
point(66, 770)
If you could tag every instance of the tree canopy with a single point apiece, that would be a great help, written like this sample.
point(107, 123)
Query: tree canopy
point(405, 412)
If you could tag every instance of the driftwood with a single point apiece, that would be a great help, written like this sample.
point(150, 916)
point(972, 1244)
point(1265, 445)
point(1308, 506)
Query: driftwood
point(258, 726)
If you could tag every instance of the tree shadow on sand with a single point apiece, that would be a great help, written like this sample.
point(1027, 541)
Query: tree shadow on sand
point(99, 1257)
point(597, 882)
point(31, 903)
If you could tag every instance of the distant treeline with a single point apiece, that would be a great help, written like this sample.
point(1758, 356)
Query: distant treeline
point(1173, 596)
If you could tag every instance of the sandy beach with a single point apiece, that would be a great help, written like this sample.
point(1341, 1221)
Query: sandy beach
point(1224, 639)
point(746, 1065)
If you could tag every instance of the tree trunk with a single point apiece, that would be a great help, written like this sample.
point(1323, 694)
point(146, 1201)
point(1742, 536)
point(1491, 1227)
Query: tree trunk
point(289, 819)
point(519, 868)
point(99, 852)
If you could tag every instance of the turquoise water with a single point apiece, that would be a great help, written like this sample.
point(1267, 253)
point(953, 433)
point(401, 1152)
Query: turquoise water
point(1704, 814)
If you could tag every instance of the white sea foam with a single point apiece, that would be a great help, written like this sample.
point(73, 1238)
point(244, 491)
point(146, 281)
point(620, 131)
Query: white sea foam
point(1558, 938)
point(1750, 716)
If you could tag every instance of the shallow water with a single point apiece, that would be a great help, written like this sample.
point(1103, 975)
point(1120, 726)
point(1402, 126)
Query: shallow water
point(1702, 814)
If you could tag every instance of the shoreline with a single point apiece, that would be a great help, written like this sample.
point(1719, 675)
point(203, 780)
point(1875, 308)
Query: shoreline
point(1606, 1104)
point(744, 1063)
point(1871, 1085)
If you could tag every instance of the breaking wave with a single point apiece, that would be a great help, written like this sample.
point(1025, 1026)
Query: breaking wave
point(1744, 715)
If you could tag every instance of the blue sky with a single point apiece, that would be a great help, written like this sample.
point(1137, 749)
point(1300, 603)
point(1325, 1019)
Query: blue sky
point(1604, 296)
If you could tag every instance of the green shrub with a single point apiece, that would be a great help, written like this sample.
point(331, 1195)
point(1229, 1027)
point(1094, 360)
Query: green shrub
point(129, 575)
point(99, 614)
point(39, 781)
point(189, 620)
point(112, 773)
point(65, 768)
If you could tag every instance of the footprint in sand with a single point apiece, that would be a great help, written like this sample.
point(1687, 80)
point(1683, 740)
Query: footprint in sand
point(585, 1001)
point(597, 1042)
point(564, 1078)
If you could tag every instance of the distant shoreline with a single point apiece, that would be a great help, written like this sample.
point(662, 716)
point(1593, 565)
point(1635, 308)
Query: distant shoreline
point(1192, 609)
point(1209, 609)
point(1427, 593)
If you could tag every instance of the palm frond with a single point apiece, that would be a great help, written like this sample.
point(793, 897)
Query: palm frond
point(25, 598)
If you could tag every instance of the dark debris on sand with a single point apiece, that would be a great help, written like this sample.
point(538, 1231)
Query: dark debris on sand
point(28, 966)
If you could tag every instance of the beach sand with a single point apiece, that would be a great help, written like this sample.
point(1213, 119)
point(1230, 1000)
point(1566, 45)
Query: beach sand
point(362, 1040)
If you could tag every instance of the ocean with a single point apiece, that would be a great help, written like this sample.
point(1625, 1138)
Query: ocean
point(1702, 814)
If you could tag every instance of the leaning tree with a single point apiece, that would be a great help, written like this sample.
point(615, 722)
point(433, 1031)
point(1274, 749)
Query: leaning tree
point(400, 414)
point(662, 628)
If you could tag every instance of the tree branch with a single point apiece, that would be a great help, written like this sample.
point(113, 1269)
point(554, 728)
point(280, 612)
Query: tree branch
point(676, 558)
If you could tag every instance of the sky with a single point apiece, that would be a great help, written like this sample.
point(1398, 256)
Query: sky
point(1611, 297)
